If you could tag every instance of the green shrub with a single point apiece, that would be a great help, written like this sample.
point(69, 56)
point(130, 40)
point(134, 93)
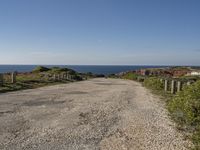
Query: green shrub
point(187, 103)
point(57, 70)
point(130, 76)
point(153, 83)
point(185, 109)
point(40, 69)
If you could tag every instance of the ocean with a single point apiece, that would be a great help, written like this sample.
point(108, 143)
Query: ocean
point(96, 69)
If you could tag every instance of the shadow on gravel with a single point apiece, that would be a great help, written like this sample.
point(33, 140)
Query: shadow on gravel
point(77, 92)
point(39, 103)
point(6, 112)
point(108, 84)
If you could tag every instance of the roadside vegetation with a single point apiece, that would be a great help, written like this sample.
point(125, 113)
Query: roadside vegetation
point(184, 106)
point(130, 76)
point(41, 76)
point(153, 83)
point(185, 110)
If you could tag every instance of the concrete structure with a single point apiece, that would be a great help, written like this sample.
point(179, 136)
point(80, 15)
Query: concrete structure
point(179, 86)
point(13, 77)
point(166, 72)
point(64, 76)
point(176, 84)
point(195, 73)
point(172, 86)
point(70, 77)
point(179, 73)
point(144, 72)
point(166, 85)
point(54, 77)
point(67, 76)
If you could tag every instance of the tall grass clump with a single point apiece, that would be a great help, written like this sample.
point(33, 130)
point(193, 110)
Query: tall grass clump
point(153, 83)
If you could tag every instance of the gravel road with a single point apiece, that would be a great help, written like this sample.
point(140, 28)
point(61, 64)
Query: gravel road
point(107, 114)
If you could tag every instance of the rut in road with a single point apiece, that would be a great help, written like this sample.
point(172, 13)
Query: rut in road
point(95, 114)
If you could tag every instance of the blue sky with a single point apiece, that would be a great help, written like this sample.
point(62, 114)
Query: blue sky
point(100, 32)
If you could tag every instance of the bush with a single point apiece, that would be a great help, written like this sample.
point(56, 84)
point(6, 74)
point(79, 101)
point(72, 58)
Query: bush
point(187, 103)
point(130, 76)
point(153, 83)
point(112, 76)
point(185, 109)
point(40, 69)
point(57, 70)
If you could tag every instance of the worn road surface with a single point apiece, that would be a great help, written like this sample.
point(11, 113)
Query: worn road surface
point(107, 114)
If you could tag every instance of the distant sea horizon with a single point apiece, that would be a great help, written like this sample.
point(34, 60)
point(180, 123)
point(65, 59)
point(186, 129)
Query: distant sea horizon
point(96, 69)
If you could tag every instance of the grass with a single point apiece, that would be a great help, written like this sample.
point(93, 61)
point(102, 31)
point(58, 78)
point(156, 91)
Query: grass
point(9, 87)
point(39, 77)
point(130, 76)
point(184, 106)
point(185, 110)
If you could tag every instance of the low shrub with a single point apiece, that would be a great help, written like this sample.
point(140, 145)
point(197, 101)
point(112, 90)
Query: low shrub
point(153, 83)
point(58, 70)
point(185, 109)
point(130, 76)
point(40, 69)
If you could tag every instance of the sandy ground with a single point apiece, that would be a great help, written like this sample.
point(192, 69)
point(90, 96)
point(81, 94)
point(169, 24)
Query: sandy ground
point(107, 114)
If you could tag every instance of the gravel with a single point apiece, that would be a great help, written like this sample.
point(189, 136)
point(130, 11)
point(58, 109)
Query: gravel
point(107, 114)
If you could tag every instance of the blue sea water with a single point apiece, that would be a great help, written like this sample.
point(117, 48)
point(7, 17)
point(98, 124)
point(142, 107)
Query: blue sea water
point(79, 68)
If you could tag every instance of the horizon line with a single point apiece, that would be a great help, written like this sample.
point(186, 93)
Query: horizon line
point(164, 65)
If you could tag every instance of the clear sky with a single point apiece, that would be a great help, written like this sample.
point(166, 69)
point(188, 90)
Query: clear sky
point(100, 32)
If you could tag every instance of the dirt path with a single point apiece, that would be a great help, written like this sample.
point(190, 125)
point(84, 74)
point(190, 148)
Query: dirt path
point(96, 114)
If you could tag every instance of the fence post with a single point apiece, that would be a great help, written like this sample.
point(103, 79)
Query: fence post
point(54, 77)
point(166, 85)
point(1, 79)
point(173, 87)
point(64, 76)
point(179, 86)
point(67, 76)
point(13, 77)
point(72, 77)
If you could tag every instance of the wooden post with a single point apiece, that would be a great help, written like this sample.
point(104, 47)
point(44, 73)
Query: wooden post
point(67, 76)
point(179, 86)
point(72, 77)
point(173, 87)
point(63, 76)
point(13, 77)
point(166, 85)
point(54, 77)
point(1, 79)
